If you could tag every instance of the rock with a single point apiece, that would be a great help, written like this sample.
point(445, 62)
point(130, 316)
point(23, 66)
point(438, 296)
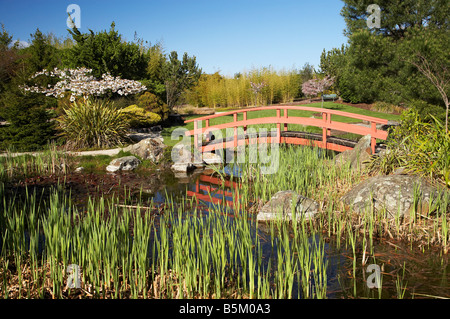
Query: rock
point(395, 193)
point(184, 160)
point(357, 156)
point(126, 163)
point(79, 169)
point(148, 149)
point(182, 167)
point(211, 158)
point(389, 126)
point(282, 203)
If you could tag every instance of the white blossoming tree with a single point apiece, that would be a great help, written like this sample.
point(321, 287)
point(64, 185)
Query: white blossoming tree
point(91, 123)
point(79, 83)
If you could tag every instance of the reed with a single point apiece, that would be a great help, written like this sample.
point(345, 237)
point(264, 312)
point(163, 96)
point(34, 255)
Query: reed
point(189, 252)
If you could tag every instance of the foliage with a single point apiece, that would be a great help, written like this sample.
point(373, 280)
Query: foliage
point(93, 123)
point(40, 54)
point(427, 111)
point(378, 64)
point(427, 50)
point(156, 62)
point(139, 117)
point(215, 90)
point(420, 147)
point(152, 103)
point(386, 107)
point(30, 127)
point(397, 17)
point(179, 76)
point(106, 52)
point(9, 58)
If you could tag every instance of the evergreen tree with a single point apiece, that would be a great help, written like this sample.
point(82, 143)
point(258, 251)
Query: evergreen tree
point(40, 54)
point(376, 65)
point(179, 76)
point(106, 52)
point(396, 16)
point(30, 126)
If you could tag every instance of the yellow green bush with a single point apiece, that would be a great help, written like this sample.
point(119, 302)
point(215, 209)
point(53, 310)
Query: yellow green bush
point(139, 117)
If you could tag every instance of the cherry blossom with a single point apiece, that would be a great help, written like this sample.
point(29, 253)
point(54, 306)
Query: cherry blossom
point(80, 83)
point(316, 86)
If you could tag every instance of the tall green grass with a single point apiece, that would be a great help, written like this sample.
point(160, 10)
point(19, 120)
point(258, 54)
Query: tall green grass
point(19, 166)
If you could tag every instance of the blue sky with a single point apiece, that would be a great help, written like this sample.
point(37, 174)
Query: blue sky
point(227, 36)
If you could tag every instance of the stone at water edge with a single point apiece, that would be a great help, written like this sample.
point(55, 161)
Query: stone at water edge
point(126, 163)
point(148, 149)
point(282, 203)
point(79, 169)
point(211, 158)
point(357, 156)
point(395, 193)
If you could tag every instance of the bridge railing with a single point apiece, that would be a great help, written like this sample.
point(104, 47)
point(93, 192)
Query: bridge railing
point(326, 123)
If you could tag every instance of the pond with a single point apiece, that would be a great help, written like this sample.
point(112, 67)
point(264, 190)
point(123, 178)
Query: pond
point(261, 259)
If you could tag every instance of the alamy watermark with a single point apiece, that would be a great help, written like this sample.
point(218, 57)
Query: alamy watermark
point(74, 276)
point(374, 19)
point(260, 149)
point(374, 279)
point(74, 18)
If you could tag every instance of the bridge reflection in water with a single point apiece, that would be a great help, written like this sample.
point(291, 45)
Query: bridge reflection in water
point(210, 190)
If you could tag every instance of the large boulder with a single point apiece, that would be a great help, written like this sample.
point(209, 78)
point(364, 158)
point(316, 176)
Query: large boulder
point(126, 163)
point(395, 193)
point(283, 203)
point(148, 149)
point(357, 156)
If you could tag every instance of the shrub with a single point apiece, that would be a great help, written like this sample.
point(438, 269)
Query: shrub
point(427, 111)
point(422, 148)
point(93, 123)
point(150, 102)
point(386, 107)
point(138, 117)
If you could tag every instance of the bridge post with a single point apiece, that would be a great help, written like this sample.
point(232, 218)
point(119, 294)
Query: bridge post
point(285, 116)
point(324, 129)
point(195, 134)
point(235, 129)
point(373, 140)
point(245, 119)
point(278, 126)
point(329, 122)
point(206, 126)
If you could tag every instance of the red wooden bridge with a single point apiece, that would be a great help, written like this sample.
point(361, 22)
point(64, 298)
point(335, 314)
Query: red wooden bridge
point(323, 140)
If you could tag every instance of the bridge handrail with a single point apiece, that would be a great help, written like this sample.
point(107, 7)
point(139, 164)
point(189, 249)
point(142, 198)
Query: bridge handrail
point(325, 123)
point(299, 108)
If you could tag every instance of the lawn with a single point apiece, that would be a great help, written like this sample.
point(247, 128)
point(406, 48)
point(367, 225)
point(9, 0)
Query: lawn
point(292, 127)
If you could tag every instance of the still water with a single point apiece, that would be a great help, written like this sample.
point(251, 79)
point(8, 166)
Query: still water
point(395, 270)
